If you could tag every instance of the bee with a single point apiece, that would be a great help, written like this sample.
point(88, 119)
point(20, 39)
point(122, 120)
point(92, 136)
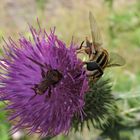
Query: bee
point(94, 56)
point(49, 79)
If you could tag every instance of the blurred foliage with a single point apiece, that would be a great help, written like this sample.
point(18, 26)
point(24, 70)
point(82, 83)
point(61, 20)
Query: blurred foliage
point(41, 4)
point(120, 27)
point(4, 126)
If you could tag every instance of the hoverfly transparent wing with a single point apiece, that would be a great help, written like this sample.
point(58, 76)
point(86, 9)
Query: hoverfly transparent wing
point(95, 33)
point(115, 60)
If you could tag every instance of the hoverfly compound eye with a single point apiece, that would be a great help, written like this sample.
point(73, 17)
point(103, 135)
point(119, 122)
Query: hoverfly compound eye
point(90, 66)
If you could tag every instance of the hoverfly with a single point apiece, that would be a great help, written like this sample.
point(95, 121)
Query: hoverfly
point(94, 56)
point(49, 79)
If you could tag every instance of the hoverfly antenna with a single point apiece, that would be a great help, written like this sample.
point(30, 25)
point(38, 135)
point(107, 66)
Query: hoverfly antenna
point(81, 44)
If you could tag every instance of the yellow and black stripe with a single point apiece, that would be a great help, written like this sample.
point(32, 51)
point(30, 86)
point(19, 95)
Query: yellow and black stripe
point(102, 58)
point(98, 63)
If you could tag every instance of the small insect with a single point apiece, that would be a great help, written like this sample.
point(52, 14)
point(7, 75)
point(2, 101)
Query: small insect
point(94, 56)
point(49, 80)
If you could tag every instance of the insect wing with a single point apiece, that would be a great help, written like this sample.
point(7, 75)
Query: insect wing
point(95, 33)
point(115, 60)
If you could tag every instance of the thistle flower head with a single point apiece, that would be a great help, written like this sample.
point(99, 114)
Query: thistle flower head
point(43, 83)
point(99, 106)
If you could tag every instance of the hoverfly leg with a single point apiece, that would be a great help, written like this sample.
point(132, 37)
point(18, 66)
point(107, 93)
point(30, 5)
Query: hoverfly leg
point(34, 89)
point(97, 76)
point(49, 94)
point(100, 73)
point(77, 76)
point(48, 66)
point(34, 94)
point(42, 73)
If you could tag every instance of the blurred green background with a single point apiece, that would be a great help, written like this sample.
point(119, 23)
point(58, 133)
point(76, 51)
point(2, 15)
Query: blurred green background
point(119, 22)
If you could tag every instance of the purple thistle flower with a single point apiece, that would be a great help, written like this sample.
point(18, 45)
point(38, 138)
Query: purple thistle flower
point(43, 83)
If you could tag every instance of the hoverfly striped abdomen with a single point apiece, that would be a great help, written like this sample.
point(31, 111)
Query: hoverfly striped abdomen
point(97, 64)
point(102, 58)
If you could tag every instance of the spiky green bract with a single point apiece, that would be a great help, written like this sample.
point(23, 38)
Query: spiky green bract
point(99, 106)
